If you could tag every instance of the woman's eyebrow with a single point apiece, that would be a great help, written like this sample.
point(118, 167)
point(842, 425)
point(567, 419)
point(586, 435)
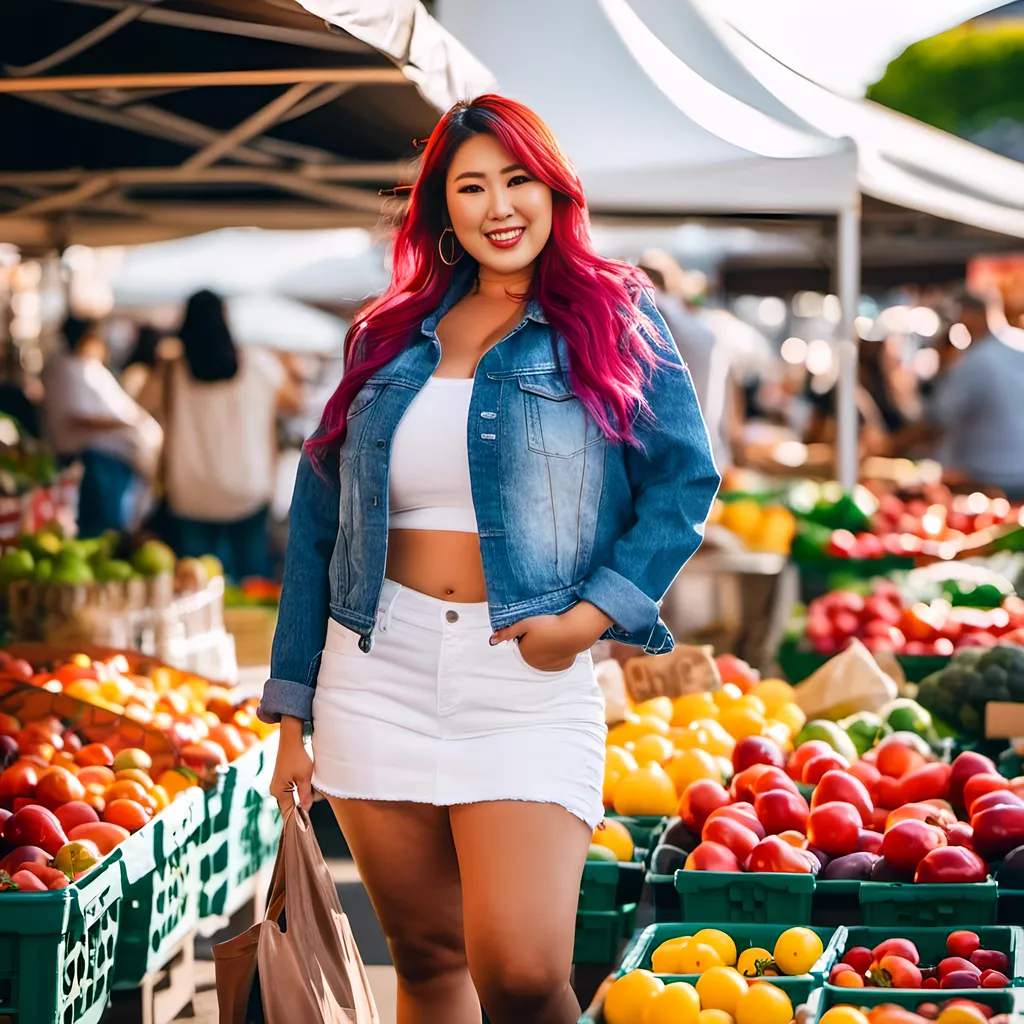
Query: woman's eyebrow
point(480, 174)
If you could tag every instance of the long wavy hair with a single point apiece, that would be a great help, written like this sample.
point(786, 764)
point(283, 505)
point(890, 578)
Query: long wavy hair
point(591, 301)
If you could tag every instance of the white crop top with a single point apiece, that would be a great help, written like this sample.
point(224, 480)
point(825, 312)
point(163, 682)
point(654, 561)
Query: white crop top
point(429, 487)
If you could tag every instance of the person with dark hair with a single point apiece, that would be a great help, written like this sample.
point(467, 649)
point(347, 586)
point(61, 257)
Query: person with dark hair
point(92, 419)
point(140, 364)
point(219, 406)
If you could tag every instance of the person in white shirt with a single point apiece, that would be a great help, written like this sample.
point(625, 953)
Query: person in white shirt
point(91, 418)
point(220, 409)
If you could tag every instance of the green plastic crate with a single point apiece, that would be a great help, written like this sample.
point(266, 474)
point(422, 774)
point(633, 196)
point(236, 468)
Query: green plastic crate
point(746, 936)
point(160, 865)
point(906, 905)
point(664, 897)
point(999, 1000)
point(757, 897)
point(237, 828)
point(1011, 906)
point(931, 944)
point(57, 949)
point(606, 885)
point(643, 829)
point(836, 902)
point(599, 934)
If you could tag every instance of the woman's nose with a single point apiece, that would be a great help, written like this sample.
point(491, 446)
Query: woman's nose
point(501, 207)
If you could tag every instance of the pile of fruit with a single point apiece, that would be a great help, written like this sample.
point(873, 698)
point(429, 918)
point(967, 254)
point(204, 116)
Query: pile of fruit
point(949, 1011)
point(760, 527)
point(65, 803)
point(253, 592)
point(205, 726)
point(48, 556)
point(664, 745)
point(729, 986)
point(883, 621)
point(959, 693)
point(896, 963)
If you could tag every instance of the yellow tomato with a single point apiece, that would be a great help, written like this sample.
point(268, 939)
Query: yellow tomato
point(747, 962)
point(714, 737)
point(721, 988)
point(629, 997)
point(773, 693)
point(619, 759)
point(691, 706)
point(691, 765)
point(714, 1017)
point(614, 836)
point(698, 957)
point(653, 748)
point(763, 1003)
point(659, 706)
point(791, 716)
point(727, 695)
point(748, 700)
point(843, 1015)
point(797, 951)
point(677, 1003)
point(666, 958)
point(647, 791)
point(721, 943)
point(741, 722)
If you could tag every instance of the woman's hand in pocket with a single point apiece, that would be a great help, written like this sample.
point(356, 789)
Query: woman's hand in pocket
point(551, 643)
point(293, 769)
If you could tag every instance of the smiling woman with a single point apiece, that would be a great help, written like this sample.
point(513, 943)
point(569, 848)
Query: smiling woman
point(513, 466)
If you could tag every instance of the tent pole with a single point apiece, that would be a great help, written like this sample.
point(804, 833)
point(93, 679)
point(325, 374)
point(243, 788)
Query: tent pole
point(848, 288)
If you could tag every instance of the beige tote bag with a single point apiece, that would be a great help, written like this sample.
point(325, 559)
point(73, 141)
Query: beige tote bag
point(310, 971)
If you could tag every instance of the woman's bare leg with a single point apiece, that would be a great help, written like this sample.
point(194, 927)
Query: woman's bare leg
point(521, 865)
point(406, 859)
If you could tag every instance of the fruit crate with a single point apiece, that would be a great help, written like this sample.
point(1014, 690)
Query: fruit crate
point(161, 883)
point(931, 944)
point(1002, 1000)
point(746, 936)
point(1010, 906)
point(606, 885)
point(237, 828)
point(836, 901)
point(665, 898)
point(643, 828)
point(600, 933)
point(57, 949)
point(906, 905)
point(756, 897)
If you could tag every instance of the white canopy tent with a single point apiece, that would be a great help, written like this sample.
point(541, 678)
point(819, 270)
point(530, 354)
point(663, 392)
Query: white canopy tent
point(662, 110)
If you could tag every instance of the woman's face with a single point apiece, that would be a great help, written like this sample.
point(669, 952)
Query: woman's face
point(500, 215)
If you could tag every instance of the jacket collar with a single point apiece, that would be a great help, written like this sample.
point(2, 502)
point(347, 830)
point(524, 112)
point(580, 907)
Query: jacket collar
point(462, 280)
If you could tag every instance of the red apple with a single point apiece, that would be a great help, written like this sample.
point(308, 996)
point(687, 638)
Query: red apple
point(753, 750)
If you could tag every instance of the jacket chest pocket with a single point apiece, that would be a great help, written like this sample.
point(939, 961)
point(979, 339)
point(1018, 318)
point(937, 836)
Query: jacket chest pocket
point(557, 423)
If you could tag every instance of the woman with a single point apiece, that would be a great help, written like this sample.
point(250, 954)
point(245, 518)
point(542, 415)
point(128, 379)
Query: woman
point(513, 466)
point(220, 408)
point(142, 360)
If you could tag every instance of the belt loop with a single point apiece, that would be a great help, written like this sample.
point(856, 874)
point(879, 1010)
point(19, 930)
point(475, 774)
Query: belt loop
point(384, 611)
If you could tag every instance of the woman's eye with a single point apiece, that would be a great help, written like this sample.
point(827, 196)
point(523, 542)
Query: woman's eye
point(471, 188)
point(519, 179)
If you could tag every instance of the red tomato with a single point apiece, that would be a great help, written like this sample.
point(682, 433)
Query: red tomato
point(962, 943)
point(897, 972)
point(905, 845)
point(772, 854)
point(859, 958)
point(803, 754)
point(927, 783)
point(897, 947)
point(774, 779)
point(731, 834)
point(818, 766)
point(699, 799)
point(834, 828)
point(868, 774)
point(997, 831)
point(977, 785)
point(742, 787)
point(743, 813)
point(951, 864)
point(712, 857)
point(838, 785)
point(780, 811)
point(887, 792)
point(896, 760)
point(964, 767)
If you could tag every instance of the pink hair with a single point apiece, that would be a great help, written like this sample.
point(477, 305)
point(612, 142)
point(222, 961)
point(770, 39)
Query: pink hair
point(591, 301)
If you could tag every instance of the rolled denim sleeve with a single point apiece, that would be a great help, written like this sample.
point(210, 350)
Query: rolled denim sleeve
point(674, 481)
point(305, 595)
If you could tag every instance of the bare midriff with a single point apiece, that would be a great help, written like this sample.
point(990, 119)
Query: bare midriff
point(439, 563)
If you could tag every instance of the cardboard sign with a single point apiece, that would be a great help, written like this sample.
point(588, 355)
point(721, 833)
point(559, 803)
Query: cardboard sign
point(683, 670)
point(1004, 720)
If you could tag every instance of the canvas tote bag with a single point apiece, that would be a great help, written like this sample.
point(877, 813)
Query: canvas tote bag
point(309, 971)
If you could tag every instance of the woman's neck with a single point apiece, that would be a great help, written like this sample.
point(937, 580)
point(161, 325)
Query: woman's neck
point(510, 287)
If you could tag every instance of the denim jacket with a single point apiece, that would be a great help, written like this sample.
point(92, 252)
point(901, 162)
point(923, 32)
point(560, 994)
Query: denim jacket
point(563, 514)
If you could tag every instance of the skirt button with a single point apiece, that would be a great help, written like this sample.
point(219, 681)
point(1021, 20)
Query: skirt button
point(451, 615)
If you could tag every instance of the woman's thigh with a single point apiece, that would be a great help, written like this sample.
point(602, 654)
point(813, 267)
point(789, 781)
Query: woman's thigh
point(521, 865)
point(406, 859)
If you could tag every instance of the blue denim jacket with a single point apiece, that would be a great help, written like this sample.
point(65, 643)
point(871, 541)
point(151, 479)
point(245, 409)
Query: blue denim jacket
point(563, 514)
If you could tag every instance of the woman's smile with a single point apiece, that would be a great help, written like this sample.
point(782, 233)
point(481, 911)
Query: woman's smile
point(505, 238)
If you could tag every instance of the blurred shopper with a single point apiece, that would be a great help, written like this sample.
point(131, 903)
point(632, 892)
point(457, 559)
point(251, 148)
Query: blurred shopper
point(513, 466)
point(977, 404)
point(219, 405)
point(91, 418)
point(141, 361)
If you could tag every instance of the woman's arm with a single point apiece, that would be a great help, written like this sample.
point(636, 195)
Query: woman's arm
point(674, 481)
point(305, 595)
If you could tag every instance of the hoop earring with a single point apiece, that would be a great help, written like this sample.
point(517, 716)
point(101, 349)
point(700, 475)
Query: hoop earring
point(440, 251)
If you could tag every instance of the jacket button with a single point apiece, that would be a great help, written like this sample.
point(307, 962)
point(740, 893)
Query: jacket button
point(381, 443)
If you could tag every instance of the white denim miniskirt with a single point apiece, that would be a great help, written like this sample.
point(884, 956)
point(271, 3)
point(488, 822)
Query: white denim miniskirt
point(434, 714)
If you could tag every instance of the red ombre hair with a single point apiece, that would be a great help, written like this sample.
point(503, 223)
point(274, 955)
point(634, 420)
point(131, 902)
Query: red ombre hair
point(591, 301)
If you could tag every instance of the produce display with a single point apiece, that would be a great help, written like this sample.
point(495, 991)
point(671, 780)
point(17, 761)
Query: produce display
point(942, 1011)
point(795, 953)
point(960, 692)
point(896, 963)
point(909, 617)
